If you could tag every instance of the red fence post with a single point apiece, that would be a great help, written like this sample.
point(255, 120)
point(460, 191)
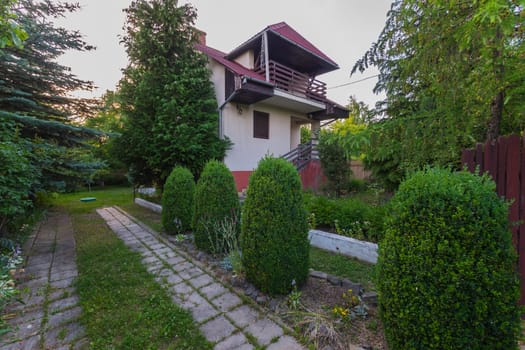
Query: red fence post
point(502, 166)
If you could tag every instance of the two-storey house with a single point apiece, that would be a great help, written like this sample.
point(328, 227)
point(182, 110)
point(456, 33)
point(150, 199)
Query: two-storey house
point(266, 89)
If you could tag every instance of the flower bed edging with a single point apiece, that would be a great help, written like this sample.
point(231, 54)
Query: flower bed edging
point(364, 251)
point(151, 206)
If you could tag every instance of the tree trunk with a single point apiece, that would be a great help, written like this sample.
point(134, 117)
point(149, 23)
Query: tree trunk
point(496, 105)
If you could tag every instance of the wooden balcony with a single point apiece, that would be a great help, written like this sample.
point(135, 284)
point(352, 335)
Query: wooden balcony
point(296, 83)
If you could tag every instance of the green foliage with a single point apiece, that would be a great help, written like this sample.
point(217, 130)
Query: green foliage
point(446, 266)
point(177, 201)
point(15, 183)
point(274, 237)
point(216, 199)
point(167, 100)
point(11, 33)
point(453, 75)
point(335, 164)
point(306, 134)
point(348, 216)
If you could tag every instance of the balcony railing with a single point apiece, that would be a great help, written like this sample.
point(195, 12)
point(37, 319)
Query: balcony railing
point(296, 83)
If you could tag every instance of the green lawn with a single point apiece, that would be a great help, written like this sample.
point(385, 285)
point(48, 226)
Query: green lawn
point(343, 266)
point(123, 306)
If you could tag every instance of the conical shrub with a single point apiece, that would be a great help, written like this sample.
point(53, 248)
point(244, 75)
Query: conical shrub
point(274, 229)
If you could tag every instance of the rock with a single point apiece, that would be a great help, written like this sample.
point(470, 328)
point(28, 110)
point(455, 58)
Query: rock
point(370, 298)
point(355, 287)
point(201, 256)
point(250, 290)
point(336, 281)
point(318, 274)
point(274, 304)
point(261, 299)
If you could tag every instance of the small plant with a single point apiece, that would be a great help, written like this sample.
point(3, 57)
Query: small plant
point(223, 236)
point(352, 307)
point(294, 298)
point(216, 200)
point(10, 259)
point(312, 224)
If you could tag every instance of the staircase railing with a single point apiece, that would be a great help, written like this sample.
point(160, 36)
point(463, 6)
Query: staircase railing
point(301, 155)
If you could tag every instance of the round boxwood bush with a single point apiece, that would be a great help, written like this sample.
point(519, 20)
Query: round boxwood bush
point(216, 200)
point(446, 266)
point(274, 229)
point(177, 201)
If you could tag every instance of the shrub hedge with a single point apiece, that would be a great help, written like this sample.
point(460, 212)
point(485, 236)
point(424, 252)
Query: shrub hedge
point(274, 230)
point(446, 266)
point(177, 201)
point(216, 199)
point(347, 212)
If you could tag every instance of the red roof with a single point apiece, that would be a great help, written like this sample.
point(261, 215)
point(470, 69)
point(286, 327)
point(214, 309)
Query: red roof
point(232, 65)
point(289, 33)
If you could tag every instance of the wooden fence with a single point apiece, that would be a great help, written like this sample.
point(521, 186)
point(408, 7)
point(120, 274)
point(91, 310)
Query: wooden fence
point(504, 160)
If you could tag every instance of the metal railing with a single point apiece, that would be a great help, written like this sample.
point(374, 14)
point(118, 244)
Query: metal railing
point(301, 155)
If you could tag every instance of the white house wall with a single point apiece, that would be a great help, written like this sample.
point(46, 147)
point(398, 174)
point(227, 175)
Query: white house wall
point(247, 150)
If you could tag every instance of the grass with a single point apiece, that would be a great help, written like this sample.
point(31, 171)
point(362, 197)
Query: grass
point(343, 266)
point(123, 306)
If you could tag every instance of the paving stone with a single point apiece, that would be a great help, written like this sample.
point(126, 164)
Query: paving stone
point(63, 335)
point(82, 344)
point(217, 329)
point(63, 317)
point(27, 329)
point(175, 260)
point(25, 344)
point(182, 266)
point(234, 342)
point(65, 303)
point(190, 273)
point(57, 276)
point(151, 260)
point(173, 279)
point(195, 298)
point(243, 316)
point(213, 290)
point(61, 293)
point(65, 283)
point(154, 268)
point(203, 311)
point(227, 301)
point(33, 283)
point(264, 331)
point(26, 316)
point(285, 343)
point(181, 288)
point(201, 281)
point(156, 246)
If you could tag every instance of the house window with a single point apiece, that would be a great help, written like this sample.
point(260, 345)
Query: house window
point(261, 125)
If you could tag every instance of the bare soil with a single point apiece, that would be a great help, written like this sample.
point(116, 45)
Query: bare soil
point(314, 318)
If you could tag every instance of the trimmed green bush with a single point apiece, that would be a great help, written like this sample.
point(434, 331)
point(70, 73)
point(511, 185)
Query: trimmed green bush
point(177, 201)
point(274, 231)
point(446, 266)
point(349, 213)
point(216, 200)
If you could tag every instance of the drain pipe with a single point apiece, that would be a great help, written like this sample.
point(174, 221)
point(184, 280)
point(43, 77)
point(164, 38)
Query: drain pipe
point(221, 123)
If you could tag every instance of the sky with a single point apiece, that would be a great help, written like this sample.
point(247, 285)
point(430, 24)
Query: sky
point(342, 29)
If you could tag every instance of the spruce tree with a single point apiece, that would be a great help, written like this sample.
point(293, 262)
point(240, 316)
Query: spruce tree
point(34, 97)
point(169, 107)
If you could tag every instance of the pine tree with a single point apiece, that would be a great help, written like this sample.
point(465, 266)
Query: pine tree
point(168, 102)
point(34, 97)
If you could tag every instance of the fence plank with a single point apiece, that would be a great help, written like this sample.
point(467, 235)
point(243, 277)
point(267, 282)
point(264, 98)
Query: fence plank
point(512, 192)
point(521, 231)
point(490, 157)
point(502, 166)
point(468, 159)
point(479, 157)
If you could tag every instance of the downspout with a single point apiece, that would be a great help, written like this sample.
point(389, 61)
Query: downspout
point(266, 56)
point(221, 107)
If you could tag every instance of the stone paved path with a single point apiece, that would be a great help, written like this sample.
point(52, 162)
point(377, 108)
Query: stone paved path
point(49, 317)
point(223, 317)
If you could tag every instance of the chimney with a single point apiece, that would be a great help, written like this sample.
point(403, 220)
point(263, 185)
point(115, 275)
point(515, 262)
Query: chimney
point(201, 36)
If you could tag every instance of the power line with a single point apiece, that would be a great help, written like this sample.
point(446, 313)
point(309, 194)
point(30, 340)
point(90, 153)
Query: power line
point(352, 82)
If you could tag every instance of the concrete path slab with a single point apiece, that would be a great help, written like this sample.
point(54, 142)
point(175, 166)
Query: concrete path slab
point(222, 315)
point(48, 319)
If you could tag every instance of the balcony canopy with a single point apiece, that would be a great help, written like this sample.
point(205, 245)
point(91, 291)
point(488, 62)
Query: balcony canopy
point(290, 48)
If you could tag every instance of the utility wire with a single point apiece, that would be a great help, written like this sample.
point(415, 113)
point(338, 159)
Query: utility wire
point(352, 82)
